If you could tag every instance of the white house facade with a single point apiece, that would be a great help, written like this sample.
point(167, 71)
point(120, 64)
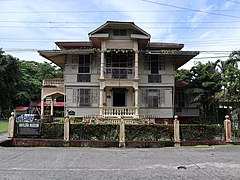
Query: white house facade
point(119, 72)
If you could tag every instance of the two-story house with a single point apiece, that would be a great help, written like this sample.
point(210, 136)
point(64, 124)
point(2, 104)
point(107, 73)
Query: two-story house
point(119, 72)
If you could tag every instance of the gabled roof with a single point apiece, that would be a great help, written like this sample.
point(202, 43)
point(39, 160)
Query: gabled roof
point(119, 24)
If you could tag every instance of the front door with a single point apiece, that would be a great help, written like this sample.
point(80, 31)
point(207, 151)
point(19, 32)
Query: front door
point(119, 97)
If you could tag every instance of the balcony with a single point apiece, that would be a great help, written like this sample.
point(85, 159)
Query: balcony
point(55, 82)
point(119, 73)
point(120, 111)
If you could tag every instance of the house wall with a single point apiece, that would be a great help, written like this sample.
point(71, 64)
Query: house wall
point(70, 77)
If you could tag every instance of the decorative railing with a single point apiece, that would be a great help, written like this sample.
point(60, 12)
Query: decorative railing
point(53, 82)
point(119, 72)
point(119, 111)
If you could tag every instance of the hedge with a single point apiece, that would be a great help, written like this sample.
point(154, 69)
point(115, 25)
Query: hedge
point(155, 132)
point(189, 132)
point(94, 132)
point(149, 132)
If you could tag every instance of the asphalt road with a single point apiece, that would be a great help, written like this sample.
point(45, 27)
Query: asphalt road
point(113, 163)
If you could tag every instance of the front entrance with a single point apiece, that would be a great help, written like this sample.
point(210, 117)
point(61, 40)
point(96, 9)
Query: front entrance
point(119, 96)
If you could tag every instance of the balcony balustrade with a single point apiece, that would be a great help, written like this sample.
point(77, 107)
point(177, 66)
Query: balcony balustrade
point(119, 73)
point(55, 82)
point(119, 111)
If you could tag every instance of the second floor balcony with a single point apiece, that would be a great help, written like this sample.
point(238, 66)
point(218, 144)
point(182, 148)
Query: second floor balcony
point(119, 73)
point(54, 82)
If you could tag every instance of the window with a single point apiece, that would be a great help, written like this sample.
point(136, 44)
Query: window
point(81, 97)
point(83, 77)
point(180, 98)
point(154, 78)
point(86, 97)
point(84, 69)
point(119, 32)
point(152, 97)
point(119, 65)
point(84, 64)
point(154, 64)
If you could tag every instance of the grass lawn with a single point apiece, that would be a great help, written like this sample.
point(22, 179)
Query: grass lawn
point(3, 126)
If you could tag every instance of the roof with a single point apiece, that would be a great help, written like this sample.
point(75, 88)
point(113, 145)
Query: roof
point(117, 24)
point(179, 57)
point(58, 56)
point(164, 46)
point(74, 44)
point(21, 108)
point(56, 104)
point(181, 84)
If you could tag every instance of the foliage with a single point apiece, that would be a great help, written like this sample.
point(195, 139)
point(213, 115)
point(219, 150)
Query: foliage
point(94, 132)
point(52, 131)
point(20, 81)
point(200, 132)
point(230, 76)
point(9, 78)
point(183, 75)
point(204, 87)
point(32, 74)
point(3, 126)
point(149, 132)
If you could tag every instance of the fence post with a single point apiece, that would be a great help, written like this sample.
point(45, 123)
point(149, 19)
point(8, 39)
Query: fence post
point(122, 142)
point(66, 128)
point(11, 125)
point(228, 129)
point(176, 132)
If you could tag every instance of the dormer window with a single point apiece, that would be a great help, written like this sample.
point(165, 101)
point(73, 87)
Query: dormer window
point(119, 32)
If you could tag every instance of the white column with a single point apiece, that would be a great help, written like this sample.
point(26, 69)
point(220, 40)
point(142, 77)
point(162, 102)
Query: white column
point(136, 65)
point(42, 107)
point(66, 129)
point(176, 131)
point(228, 129)
point(136, 102)
point(101, 102)
point(52, 103)
point(122, 142)
point(102, 65)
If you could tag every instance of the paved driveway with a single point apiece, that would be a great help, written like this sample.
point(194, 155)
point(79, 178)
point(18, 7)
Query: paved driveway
point(112, 163)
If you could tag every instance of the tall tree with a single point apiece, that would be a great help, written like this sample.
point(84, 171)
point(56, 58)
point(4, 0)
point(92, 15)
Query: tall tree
point(32, 74)
point(9, 78)
point(183, 75)
point(204, 87)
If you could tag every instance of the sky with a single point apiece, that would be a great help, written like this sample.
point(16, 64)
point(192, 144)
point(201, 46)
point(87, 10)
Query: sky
point(209, 26)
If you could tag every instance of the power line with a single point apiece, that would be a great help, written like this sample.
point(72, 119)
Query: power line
point(189, 9)
point(137, 22)
point(92, 27)
point(121, 11)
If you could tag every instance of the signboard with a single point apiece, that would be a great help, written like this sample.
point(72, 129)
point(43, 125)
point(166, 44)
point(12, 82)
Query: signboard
point(26, 128)
point(71, 113)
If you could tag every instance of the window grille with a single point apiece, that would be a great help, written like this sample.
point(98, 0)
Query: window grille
point(152, 97)
point(154, 78)
point(83, 78)
point(86, 97)
point(119, 32)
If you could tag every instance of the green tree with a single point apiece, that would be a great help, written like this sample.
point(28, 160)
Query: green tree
point(183, 75)
point(205, 85)
point(32, 74)
point(9, 78)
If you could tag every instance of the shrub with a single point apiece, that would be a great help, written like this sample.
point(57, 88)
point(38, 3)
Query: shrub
point(94, 132)
point(195, 132)
point(149, 132)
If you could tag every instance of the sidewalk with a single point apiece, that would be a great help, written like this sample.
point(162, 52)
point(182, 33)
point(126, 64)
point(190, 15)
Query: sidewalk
point(3, 137)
